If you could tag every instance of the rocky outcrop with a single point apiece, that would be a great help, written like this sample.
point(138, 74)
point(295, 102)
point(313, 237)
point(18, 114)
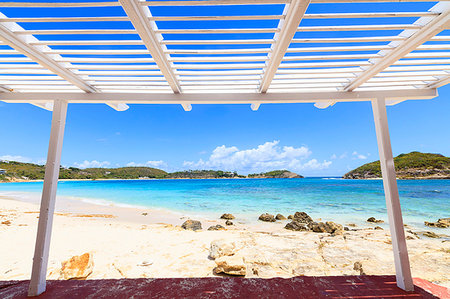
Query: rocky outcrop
point(280, 217)
point(431, 235)
point(77, 267)
point(192, 225)
point(267, 217)
point(276, 174)
point(229, 222)
point(231, 265)
point(414, 165)
point(222, 247)
point(357, 266)
point(327, 227)
point(302, 217)
point(216, 227)
point(373, 220)
point(442, 223)
point(296, 226)
point(227, 216)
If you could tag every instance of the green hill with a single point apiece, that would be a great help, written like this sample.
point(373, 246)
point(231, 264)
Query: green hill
point(414, 165)
point(280, 174)
point(11, 171)
point(16, 171)
point(203, 174)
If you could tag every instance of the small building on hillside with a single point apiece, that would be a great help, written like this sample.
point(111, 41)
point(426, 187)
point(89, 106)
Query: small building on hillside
point(2, 171)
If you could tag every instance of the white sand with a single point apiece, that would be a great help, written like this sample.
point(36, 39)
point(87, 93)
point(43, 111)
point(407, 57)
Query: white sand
point(121, 244)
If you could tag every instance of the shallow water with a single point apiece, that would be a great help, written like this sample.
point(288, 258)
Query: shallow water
point(339, 200)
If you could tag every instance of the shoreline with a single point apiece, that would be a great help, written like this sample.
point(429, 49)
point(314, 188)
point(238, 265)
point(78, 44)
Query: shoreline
point(249, 221)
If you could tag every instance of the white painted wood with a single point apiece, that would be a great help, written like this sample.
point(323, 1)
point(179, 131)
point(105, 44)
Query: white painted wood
point(324, 104)
point(44, 105)
point(218, 98)
point(58, 4)
point(358, 27)
point(402, 267)
point(212, 2)
point(186, 107)
point(255, 106)
point(430, 27)
point(441, 82)
point(21, 44)
point(40, 260)
point(348, 39)
point(76, 31)
point(147, 31)
point(217, 31)
point(218, 42)
point(86, 42)
point(216, 18)
point(294, 12)
point(118, 106)
point(368, 15)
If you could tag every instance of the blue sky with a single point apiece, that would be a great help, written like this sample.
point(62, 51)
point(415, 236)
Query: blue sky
point(343, 134)
point(298, 137)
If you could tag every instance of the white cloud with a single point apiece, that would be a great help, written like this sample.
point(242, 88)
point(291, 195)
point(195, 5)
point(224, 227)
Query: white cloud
point(343, 156)
point(333, 157)
point(16, 158)
point(359, 156)
point(264, 157)
point(92, 164)
point(156, 164)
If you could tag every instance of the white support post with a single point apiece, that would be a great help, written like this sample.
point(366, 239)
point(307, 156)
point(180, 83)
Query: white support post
point(402, 267)
point(40, 260)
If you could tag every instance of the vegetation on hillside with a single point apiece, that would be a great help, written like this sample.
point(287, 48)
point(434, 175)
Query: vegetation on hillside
point(29, 171)
point(275, 174)
point(412, 165)
point(203, 174)
point(19, 171)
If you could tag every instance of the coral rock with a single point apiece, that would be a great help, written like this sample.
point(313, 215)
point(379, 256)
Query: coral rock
point(77, 267)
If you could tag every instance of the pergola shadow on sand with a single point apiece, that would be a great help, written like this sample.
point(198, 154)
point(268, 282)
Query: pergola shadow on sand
point(253, 52)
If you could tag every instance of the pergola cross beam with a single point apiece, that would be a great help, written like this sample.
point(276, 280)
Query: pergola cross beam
point(139, 16)
point(414, 40)
point(294, 12)
point(21, 43)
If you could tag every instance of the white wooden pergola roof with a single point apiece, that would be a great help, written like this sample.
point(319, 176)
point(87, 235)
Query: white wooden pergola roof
point(222, 51)
point(229, 51)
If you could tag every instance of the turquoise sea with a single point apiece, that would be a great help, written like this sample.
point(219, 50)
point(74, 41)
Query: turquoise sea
point(327, 198)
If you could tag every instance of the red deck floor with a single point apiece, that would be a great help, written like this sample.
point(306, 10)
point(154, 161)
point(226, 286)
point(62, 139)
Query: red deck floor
point(230, 287)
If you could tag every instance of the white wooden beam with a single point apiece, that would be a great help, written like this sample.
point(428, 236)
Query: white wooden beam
point(324, 104)
point(8, 35)
point(186, 107)
point(217, 98)
point(255, 106)
point(40, 260)
point(402, 266)
point(118, 106)
point(415, 38)
point(44, 105)
point(139, 15)
point(441, 82)
point(294, 12)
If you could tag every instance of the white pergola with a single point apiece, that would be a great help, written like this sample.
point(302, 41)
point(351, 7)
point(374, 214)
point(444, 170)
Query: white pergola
point(230, 52)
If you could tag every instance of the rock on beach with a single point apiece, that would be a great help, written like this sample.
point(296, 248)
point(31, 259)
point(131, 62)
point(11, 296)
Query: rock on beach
point(77, 267)
point(231, 265)
point(267, 217)
point(192, 225)
point(227, 216)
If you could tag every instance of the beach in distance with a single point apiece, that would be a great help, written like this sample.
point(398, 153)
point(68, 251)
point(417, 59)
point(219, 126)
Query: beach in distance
point(137, 228)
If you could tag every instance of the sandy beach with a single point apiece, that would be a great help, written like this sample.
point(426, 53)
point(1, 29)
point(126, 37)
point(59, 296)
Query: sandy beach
point(132, 243)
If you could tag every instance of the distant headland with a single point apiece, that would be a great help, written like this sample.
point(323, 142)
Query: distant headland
point(414, 165)
point(12, 171)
